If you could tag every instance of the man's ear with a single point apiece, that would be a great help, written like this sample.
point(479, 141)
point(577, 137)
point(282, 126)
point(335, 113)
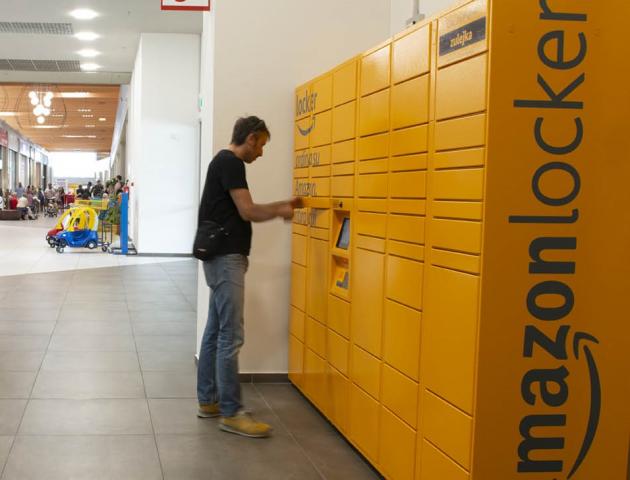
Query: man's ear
point(251, 139)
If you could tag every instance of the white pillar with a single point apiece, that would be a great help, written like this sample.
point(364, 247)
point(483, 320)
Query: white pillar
point(163, 143)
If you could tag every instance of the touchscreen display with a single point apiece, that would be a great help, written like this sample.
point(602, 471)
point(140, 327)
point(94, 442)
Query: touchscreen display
point(344, 235)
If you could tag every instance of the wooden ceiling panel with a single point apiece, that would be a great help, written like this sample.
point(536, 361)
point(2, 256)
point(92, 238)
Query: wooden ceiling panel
point(74, 124)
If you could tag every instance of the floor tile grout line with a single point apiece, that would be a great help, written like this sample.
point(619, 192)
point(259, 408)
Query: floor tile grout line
point(6, 461)
point(28, 400)
point(180, 290)
point(85, 435)
point(286, 428)
point(144, 387)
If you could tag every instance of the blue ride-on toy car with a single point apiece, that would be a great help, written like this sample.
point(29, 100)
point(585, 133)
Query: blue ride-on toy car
point(76, 239)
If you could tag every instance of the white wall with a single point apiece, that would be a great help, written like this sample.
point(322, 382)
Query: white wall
point(134, 133)
point(431, 7)
point(163, 143)
point(263, 51)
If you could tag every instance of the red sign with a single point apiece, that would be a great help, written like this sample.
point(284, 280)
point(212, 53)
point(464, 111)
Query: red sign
point(4, 138)
point(194, 5)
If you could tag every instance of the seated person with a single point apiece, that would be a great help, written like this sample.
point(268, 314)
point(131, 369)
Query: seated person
point(30, 214)
point(13, 202)
point(1, 202)
point(22, 206)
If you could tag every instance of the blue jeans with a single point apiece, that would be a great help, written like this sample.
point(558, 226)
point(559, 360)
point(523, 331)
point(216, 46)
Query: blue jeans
point(223, 337)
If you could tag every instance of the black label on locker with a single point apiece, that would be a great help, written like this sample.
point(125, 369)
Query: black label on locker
point(463, 37)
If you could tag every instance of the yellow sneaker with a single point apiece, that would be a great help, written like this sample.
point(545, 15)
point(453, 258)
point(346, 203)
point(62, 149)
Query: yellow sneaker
point(208, 411)
point(243, 424)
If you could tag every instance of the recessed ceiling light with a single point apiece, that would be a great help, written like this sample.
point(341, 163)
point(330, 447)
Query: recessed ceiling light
point(89, 67)
point(102, 119)
point(8, 114)
point(90, 126)
point(47, 126)
point(87, 116)
point(79, 136)
point(84, 110)
point(75, 94)
point(83, 14)
point(89, 53)
point(87, 36)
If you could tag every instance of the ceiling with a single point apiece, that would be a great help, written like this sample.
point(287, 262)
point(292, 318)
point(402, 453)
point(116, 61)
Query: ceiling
point(84, 124)
point(119, 24)
point(38, 46)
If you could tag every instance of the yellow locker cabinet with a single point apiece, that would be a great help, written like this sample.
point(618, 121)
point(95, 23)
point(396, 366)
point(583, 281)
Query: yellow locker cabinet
point(460, 267)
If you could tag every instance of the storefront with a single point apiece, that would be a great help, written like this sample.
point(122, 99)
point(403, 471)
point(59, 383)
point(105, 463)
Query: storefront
point(14, 148)
point(4, 146)
point(23, 164)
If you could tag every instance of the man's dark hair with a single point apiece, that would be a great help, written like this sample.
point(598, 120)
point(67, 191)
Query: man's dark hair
point(245, 126)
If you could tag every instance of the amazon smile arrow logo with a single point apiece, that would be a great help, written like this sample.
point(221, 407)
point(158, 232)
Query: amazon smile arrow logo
point(596, 397)
point(304, 132)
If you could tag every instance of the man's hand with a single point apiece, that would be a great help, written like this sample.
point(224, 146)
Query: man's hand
point(297, 202)
point(253, 212)
point(285, 210)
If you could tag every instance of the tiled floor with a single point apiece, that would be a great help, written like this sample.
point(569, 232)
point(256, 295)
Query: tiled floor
point(97, 381)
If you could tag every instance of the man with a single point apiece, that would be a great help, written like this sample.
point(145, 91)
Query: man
point(41, 198)
point(97, 191)
point(19, 190)
point(87, 192)
point(49, 193)
point(226, 200)
point(119, 185)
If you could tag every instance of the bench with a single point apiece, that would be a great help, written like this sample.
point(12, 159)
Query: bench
point(9, 214)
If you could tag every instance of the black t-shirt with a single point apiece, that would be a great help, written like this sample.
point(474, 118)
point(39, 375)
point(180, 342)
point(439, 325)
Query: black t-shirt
point(226, 172)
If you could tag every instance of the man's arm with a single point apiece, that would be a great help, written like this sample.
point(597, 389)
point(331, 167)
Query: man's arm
point(253, 212)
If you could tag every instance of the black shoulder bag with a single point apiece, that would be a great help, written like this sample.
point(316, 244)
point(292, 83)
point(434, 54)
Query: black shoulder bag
point(210, 236)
